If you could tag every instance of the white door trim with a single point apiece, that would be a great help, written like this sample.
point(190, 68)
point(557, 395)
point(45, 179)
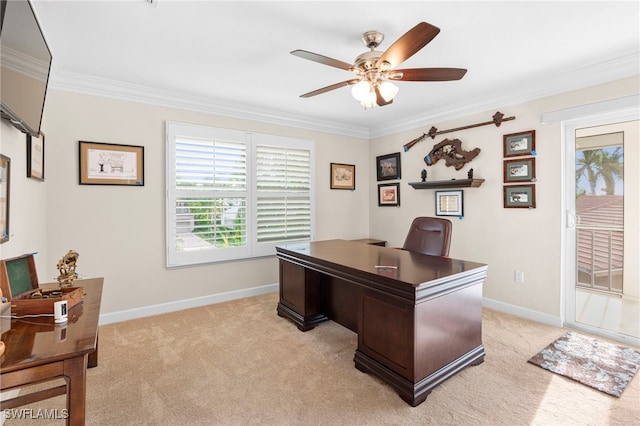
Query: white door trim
point(608, 112)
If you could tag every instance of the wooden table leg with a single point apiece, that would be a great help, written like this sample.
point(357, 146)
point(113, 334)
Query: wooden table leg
point(93, 356)
point(75, 370)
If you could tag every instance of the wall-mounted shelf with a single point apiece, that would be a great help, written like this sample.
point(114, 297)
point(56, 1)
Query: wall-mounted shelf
point(453, 183)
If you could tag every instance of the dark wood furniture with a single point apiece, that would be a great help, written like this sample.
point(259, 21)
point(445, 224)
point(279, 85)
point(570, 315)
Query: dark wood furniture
point(453, 183)
point(372, 241)
point(418, 317)
point(39, 351)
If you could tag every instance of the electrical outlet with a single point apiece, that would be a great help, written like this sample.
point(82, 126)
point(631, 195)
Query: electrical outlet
point(518, 276)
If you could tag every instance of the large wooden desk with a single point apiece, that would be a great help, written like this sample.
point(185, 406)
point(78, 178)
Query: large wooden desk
point(37, 351)
point(418, 324)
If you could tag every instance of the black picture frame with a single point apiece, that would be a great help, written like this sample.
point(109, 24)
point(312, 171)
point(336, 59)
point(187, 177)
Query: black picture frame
point(389, 194)
point(5, 192)
point(388, 167)
point(450, 203)
point(35, 157)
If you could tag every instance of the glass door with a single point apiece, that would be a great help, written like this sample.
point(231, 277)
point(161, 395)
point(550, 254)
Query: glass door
point(602, 253)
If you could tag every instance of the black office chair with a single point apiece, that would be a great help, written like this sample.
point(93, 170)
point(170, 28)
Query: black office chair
point(429, 235)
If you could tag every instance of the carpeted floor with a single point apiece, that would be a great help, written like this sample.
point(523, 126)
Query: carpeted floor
point(238, 363)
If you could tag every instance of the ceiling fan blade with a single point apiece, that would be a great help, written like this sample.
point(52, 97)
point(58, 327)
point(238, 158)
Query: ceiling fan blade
point(427, 74)
point(330, 88)
point(407, 45)
point(380, 100)
point(322, 59)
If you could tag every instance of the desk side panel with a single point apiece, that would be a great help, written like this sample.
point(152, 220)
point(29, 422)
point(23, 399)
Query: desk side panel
point(447, 328)
point(300, 295)
point(386, 332)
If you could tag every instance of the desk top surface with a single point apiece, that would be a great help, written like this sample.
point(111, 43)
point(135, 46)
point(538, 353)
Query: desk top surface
point(34, 341)
point(389, 263)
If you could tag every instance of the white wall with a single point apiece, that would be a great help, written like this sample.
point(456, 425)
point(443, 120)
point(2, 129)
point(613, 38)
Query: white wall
point(527, 240)
point(119, 231)
point(27, 204)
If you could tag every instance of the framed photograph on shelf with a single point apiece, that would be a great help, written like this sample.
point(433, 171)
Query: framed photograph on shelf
point(343, 176)
point(388, 166)
point(35, 157)
point(5, 180)
point(449, 203)
point(389, 194)
point(520, 196)
point(521, 170)
point(111, 164)
point(519, 144)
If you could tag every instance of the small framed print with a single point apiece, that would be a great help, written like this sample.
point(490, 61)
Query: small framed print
point(35, 157)
point(343, 176)
point(518, 144)
point(111, 164)
point(520, 170)
point(449, 203)
point(389, 194)
point(388, 166)
point(520, 196)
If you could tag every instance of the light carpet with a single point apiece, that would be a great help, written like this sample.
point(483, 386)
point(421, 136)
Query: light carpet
point(238, 363)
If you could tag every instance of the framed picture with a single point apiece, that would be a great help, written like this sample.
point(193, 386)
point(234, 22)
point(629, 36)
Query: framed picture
point(389, 194)
point(449, 203)
point(35, 157)
point(343, 176)
point(388, 166)
point(518, 144)
point(520, 170)
point(520, 196)
point(110, 164)
point(5, 185)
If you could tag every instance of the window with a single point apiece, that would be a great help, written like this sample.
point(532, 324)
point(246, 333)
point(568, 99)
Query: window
point(234, 194)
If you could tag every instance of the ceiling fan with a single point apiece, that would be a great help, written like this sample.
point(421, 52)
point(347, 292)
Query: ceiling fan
point(375, 70)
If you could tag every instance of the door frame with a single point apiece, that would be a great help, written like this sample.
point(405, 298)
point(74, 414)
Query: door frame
point(610, 114)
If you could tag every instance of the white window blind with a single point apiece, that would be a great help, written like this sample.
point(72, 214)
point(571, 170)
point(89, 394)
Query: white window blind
point(233, 194)
point(283, 188)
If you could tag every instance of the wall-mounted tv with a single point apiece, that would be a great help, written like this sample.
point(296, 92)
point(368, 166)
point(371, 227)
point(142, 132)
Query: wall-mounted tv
point(26, 61)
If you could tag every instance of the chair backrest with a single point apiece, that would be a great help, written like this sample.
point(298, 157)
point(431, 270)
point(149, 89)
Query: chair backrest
point(429, 235)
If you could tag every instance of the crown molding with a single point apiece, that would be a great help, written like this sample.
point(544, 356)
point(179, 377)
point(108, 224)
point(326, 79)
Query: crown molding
point(593, 74)
point(557, 82)
point(95, 86)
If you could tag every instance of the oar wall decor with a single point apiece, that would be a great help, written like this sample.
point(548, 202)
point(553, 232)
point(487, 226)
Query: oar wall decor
point(498, 118)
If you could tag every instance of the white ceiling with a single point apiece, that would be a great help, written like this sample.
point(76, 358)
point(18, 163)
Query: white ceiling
point(234, 56)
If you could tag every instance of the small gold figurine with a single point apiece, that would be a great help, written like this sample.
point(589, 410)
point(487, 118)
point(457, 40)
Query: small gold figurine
point(67, 268)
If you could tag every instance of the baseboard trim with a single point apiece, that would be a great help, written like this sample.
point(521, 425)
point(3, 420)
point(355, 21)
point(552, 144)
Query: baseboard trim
point(522, 312)
point(179, 305)
point(195, 302)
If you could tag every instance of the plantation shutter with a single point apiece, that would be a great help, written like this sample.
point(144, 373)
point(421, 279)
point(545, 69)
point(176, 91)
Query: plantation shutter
point(211, 191)
point(233, 194)
point(283, 189)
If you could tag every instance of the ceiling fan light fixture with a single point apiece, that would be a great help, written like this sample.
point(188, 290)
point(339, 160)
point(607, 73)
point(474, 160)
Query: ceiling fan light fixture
point(361, 90)
point(369, 100)
point(388, 90)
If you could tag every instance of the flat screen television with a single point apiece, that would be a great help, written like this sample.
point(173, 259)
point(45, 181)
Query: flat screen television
point(25, 61)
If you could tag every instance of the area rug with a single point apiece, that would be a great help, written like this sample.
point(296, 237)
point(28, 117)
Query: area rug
point(593, 362)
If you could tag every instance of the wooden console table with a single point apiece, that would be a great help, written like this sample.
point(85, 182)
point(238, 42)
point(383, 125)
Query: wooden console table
point(38, 350)
point(419, 320)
